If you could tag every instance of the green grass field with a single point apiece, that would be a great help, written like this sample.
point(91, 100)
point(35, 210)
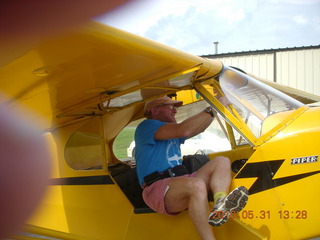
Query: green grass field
point(122, 142)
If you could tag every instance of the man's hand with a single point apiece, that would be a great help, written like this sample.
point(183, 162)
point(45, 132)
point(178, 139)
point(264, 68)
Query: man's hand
point(224, 100)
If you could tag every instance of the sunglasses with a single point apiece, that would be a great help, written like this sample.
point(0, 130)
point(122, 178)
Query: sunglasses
point(170, 106)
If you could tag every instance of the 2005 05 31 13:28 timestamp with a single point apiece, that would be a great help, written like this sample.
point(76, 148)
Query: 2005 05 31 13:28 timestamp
point(263, 214)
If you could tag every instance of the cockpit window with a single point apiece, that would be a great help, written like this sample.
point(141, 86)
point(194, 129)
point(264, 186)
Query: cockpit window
point(83, 149)
point(254, 100)
point(124, 145)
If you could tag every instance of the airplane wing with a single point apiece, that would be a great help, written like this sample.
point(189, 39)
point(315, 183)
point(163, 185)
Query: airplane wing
point(78, 74)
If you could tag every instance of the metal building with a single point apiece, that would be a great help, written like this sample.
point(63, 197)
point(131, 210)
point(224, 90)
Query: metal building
point(298, 67)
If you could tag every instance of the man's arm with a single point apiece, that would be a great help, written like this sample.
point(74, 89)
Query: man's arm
point(188, 128)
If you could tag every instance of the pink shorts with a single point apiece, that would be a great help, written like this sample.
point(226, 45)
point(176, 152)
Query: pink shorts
point(154, 194)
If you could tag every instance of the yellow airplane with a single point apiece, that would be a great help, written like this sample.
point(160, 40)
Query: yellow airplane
point(92, 82)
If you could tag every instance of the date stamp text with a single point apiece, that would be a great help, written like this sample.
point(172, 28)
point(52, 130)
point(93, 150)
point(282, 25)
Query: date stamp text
point(262, 214)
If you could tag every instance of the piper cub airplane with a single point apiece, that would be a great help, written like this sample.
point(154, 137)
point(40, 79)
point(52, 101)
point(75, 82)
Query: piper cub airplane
point(90, 86)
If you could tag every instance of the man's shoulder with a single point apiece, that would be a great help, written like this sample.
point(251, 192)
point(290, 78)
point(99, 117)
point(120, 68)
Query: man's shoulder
point(151, 122)
point(149, 126)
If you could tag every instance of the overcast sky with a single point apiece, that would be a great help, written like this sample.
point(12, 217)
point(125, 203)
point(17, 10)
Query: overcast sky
point(238, 25)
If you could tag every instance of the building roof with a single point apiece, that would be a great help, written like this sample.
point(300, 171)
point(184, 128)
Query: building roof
point(256, 52)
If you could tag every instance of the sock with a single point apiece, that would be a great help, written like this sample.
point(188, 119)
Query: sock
point(218, 195)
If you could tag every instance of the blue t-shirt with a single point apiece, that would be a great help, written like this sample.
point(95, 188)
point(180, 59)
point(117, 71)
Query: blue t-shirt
point(155, 155)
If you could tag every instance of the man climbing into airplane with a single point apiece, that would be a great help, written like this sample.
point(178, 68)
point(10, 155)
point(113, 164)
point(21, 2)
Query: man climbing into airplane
point(168, 186)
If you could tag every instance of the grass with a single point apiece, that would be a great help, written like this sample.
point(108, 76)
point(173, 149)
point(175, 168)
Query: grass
point(122, 142)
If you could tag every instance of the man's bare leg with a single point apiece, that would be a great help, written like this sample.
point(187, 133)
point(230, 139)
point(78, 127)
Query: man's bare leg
point(190, 193)
point(216, 174)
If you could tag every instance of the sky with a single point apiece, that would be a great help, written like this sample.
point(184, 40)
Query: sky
point(238, 25)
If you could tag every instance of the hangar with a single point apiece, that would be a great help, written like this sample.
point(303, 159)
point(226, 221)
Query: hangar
point(297, 69)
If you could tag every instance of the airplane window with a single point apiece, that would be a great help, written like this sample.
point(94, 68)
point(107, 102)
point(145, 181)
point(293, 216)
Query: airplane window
point(239, 139)
point(255, 101)
point(124, 146)
point(83, 150)
point(210, 141)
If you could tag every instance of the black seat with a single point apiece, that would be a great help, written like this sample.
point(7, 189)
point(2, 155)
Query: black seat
point(129, 184)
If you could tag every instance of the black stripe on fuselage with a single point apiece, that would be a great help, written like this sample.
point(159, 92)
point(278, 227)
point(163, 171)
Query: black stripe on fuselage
point(264, 172)
point(87, 180)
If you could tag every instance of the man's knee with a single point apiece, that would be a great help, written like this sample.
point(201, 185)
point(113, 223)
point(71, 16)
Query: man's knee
point(196, 185)
point(222, 162)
